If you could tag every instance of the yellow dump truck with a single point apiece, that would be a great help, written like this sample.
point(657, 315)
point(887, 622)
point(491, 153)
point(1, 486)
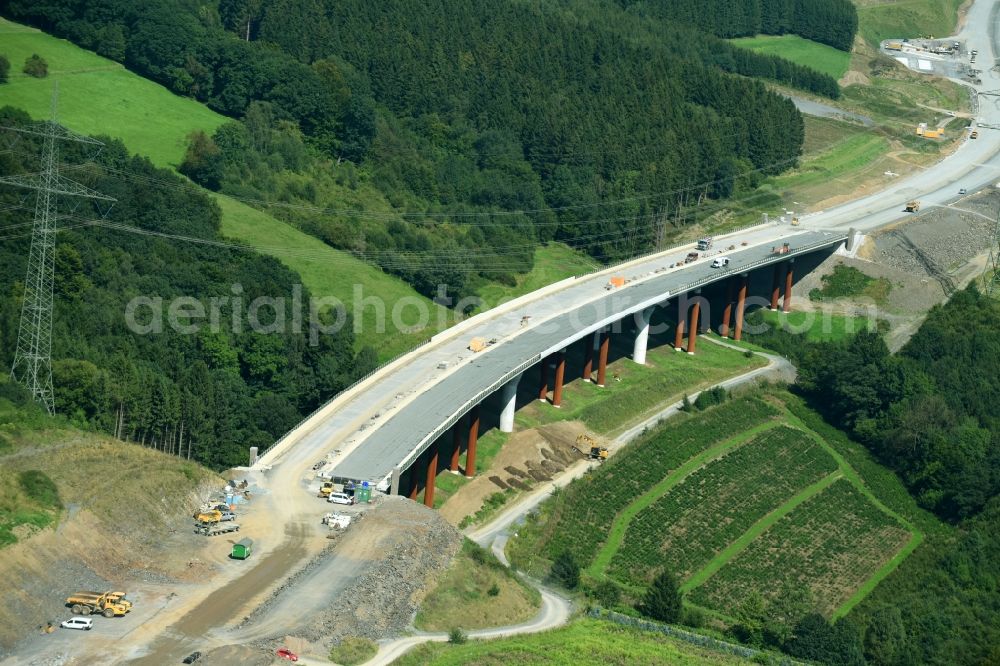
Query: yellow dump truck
point(108, 604)
point(326, 489)
point(912, 206)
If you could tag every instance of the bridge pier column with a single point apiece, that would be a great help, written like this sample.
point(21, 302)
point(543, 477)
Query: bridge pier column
point(508, 398)
point(557, 388)
point(456, 442)
point(543, 391)
point(432, 470)
point(741, 302)
point(786, 304)
point(727, 312)
point(470, 451)
point(414, 489)
point(775, 286)
point(641, 336)
point(693, 331)
point(682, 307)
point(589, 345)
point(602, 358)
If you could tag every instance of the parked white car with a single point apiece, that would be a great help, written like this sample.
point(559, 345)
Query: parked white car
point(85, 623)
point(720, 262)
point(340, 498)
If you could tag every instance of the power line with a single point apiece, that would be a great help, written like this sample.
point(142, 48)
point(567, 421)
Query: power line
point(33, 359)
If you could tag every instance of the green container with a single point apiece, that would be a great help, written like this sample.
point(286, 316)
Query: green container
point(363, 494)
point(242, 549)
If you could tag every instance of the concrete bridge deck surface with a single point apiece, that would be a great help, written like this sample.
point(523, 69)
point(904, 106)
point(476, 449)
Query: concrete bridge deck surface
point(398, 413)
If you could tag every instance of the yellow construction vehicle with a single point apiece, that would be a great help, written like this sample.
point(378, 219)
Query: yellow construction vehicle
point(212, 516)
point(108, 604)
point(326, 489)
point(912, 206)
point(587, 444)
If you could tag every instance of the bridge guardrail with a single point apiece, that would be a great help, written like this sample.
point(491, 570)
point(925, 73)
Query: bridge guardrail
point(687, 287)
point(436, 432)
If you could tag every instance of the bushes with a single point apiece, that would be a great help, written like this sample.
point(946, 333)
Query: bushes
point(711, 397)
point(353, 650)
point(39, 487)
point(4, 69)
point(566, 570)
point(36, 66)
point(663, 601)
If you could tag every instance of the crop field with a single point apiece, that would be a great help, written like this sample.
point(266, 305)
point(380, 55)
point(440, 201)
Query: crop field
point(820, 57)
point(581, 517)
point(696, 520)
point(828, 547)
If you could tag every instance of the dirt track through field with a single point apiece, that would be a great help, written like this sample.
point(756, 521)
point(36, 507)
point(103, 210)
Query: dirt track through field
point(190, 632)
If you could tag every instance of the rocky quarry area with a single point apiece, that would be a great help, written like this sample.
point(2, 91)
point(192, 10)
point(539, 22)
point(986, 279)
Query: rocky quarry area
point(369, 582)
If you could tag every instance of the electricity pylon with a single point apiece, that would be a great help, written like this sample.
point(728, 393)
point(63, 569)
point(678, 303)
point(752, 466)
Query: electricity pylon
point(32, 365)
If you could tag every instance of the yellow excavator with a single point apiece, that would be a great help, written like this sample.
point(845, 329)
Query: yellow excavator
point(587, 444)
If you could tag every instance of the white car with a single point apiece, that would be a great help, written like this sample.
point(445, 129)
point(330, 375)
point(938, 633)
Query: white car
point(340, 498)
point(85, 623)
point(720, 262)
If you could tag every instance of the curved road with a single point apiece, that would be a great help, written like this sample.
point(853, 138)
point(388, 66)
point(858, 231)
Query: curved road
point(974, 164)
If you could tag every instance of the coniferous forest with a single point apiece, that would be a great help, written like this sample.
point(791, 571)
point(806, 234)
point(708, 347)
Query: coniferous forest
point(588, 123)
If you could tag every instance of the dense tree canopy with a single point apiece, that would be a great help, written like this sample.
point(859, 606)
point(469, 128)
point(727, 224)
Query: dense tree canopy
point(556, 117)
point(208, 394)
point(928, 411)
point(832, 22)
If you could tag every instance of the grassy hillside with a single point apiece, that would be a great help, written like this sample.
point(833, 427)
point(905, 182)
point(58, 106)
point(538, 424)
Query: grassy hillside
point(714, 497)
point(476, 592)
point(801, 51)
point(585, 641)
point(47, 466)
point(99, 96)
point(883, 19)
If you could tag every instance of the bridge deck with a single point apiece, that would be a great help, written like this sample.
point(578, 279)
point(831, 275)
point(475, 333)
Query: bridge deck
point(400, 437)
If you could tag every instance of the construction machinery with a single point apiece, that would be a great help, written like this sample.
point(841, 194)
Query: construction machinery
point(691, 257)
point(587, 444)
point(326, 489)
point(912, 206)
point(215, 529)
point(108, 604)
point(212, 516)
